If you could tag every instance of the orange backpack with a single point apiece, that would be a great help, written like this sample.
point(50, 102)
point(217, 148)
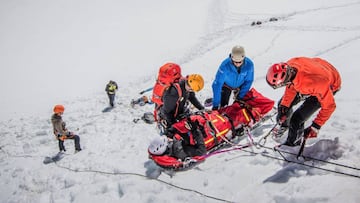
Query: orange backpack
point(169, 74)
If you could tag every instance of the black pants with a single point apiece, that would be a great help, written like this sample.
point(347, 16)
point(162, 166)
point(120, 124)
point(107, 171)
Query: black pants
point(296, 120)
point(182, 148)
point(199, 149)
point(76, 139)
point(225, 95)
point(111, 99)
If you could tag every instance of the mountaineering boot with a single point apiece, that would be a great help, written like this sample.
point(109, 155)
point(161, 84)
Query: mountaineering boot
point(292, 144)
point(287, 143)
point(77, 150)
point(291, 141)
point(239, 132)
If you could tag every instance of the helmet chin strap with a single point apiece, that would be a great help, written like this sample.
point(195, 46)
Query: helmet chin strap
point(187, 86)
point(290, 74)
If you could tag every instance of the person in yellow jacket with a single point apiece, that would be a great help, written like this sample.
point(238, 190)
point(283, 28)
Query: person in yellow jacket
point(111, 89)
point(311, 80)
point(60, 131)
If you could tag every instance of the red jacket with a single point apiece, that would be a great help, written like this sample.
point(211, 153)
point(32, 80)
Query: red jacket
point(315, 77)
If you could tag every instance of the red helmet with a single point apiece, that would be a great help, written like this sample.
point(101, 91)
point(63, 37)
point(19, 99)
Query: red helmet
point(277, 75)
point(169, 73)
point(59, 108)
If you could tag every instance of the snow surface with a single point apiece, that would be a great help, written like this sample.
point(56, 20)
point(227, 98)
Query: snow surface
point(66, 51)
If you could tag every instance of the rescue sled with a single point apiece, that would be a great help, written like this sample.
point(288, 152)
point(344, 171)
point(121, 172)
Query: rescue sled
point(218, 128)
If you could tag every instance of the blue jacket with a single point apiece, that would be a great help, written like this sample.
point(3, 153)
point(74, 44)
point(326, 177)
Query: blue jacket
point(227, 74)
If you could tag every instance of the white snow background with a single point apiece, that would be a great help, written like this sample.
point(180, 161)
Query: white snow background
point(64, 52)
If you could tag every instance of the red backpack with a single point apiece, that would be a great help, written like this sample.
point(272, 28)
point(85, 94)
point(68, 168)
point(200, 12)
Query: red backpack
point(169, 74)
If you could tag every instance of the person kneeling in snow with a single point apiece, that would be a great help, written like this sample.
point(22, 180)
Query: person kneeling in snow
point(180, 146)
point(60, 131)
point(176, 100)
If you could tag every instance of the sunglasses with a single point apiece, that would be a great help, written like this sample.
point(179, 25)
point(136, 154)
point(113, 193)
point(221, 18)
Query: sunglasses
point(237, 62)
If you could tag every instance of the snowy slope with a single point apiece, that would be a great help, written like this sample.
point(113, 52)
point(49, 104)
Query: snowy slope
point(67, 51)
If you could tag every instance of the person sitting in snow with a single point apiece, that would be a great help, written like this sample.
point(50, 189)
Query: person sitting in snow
point(60, 131)
point(141, 101)
point(111, 89)
point(311, 80)
point(175, 104)
point(180, 146)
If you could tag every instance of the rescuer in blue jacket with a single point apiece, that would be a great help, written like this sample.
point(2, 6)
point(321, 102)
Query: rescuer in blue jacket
point(236, 73)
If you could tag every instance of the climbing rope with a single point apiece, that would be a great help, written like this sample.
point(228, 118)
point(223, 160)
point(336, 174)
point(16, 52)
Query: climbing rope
point(283, 158)
point(143, 176)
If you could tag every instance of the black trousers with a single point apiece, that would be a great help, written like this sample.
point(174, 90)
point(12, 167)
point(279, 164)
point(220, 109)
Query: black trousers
point(76, 139)
point(199, 149)
point(296, 120)
point(111, 99)
point(225, 95)
point(182, 148)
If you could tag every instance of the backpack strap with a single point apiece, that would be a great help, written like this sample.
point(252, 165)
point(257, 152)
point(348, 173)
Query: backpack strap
point(158, 106)
point(211, 126)
point(231, 123)
point(179, 91)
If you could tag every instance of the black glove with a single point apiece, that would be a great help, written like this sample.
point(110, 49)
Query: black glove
point(164, 124)
point(191, 125)
point(282, 114)
point(243, 104)
point(169, 132)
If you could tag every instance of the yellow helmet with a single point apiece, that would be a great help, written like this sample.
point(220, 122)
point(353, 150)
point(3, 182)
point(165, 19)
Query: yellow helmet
point(196, 82)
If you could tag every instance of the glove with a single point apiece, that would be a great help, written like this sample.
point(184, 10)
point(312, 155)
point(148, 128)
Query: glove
point(282, 114)
point(312, 131)
point(244, 104)
point(164, 123)
point(215, 108)
point(191, 125)
point(163, 126)
point(170, 132)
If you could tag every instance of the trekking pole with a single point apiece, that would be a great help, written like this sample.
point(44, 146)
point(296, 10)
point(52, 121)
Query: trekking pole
point(146, 90)
point(302, 146)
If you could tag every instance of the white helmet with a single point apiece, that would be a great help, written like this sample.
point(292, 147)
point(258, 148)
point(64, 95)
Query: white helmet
point(158, 145)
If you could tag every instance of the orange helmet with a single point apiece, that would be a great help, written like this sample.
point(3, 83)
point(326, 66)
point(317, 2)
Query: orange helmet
point(277, 75)
point(59, 108)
